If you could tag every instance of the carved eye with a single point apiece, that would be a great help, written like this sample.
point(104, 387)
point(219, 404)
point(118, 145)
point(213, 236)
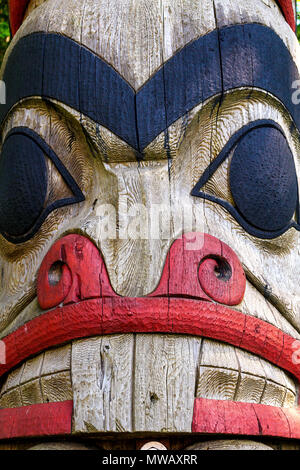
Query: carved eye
point(263, 180)
point(27, 194)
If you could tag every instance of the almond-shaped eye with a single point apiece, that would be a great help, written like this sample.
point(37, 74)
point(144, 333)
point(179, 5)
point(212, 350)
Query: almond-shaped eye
point(24, 185)
point(263, 179)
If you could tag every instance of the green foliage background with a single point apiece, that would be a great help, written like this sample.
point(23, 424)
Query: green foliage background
point(4, 28)
point(298, 19)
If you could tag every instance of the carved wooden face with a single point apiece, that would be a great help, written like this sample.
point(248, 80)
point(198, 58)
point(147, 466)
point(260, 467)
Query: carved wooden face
point(149, 213)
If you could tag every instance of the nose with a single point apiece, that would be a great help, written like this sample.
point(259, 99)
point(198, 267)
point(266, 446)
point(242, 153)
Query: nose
point(197, 266)
point(202, 266)
point(73, 270)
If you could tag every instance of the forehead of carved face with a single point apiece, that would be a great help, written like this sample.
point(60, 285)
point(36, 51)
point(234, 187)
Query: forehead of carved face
point(129, 109)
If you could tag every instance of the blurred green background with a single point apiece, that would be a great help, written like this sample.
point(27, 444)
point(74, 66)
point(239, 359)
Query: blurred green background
point(5, 32)
point(4, 28)
point(298, 19)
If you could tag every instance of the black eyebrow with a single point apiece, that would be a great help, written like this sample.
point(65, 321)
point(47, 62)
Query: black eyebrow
point(54, 66)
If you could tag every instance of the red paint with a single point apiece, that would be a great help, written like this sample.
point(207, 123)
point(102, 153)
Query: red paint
point(210, 417)
point(288, 11)
point(118, 315)
point(84, 274)
point(190, 271)
point(17, 9)
point(49, 419)
point(245, 419)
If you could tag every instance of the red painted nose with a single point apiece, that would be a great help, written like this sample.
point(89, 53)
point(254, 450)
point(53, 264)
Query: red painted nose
point(73, 270)
point(201, 266)
point(197, 266)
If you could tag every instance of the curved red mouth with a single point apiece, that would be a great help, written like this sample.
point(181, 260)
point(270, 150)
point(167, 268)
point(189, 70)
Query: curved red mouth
point(199, 271)
point(151, 315)
point(156, 315)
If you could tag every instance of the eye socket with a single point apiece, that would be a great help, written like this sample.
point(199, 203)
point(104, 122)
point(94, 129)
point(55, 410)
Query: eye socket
point(24, 185)
point(263, 180)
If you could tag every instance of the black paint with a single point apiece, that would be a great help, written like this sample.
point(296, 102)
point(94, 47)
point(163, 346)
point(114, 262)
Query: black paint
point(53, 66)
point(23, 185)
point(263, 180)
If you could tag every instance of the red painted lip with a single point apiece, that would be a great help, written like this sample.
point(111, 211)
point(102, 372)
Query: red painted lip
point(45, 419)
point(245, 419)
point(84, 304)
point(117, 315)
point(189, 300)
point(210, 417)
point(155, 315)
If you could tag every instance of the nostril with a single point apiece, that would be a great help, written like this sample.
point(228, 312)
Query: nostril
point(218, 266)
point(222, 269)
point(55, 273)
point(221, 279)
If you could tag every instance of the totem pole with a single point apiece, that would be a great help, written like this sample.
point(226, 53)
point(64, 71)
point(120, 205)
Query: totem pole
point(149, 220)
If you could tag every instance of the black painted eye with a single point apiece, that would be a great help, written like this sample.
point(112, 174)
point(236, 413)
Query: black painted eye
point(24, 185)
point(263, 180)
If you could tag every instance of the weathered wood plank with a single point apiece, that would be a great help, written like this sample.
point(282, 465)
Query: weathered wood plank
point(217, 383)
point(102, 383)
point(164, 382)
point(229, 444)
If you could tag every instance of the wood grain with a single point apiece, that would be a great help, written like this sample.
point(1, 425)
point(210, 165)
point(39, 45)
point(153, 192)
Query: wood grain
point(230, 444)
point(164, 382)
point(43, 379)
point(123, 382)
point(102, 384)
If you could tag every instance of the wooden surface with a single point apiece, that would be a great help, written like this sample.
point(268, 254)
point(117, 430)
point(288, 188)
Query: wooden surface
point(113, 378)
point(111, 316)
point(102, 376)
point(225, 417)
point(131, 358)
point(44, 379)
point(230, 445)
point(164, 382)
point(141, 277)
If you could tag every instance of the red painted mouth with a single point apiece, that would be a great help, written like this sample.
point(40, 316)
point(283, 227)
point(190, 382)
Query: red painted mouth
point(97, 317)
point(199, 271)
point(156, 315)
point(211, 417)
